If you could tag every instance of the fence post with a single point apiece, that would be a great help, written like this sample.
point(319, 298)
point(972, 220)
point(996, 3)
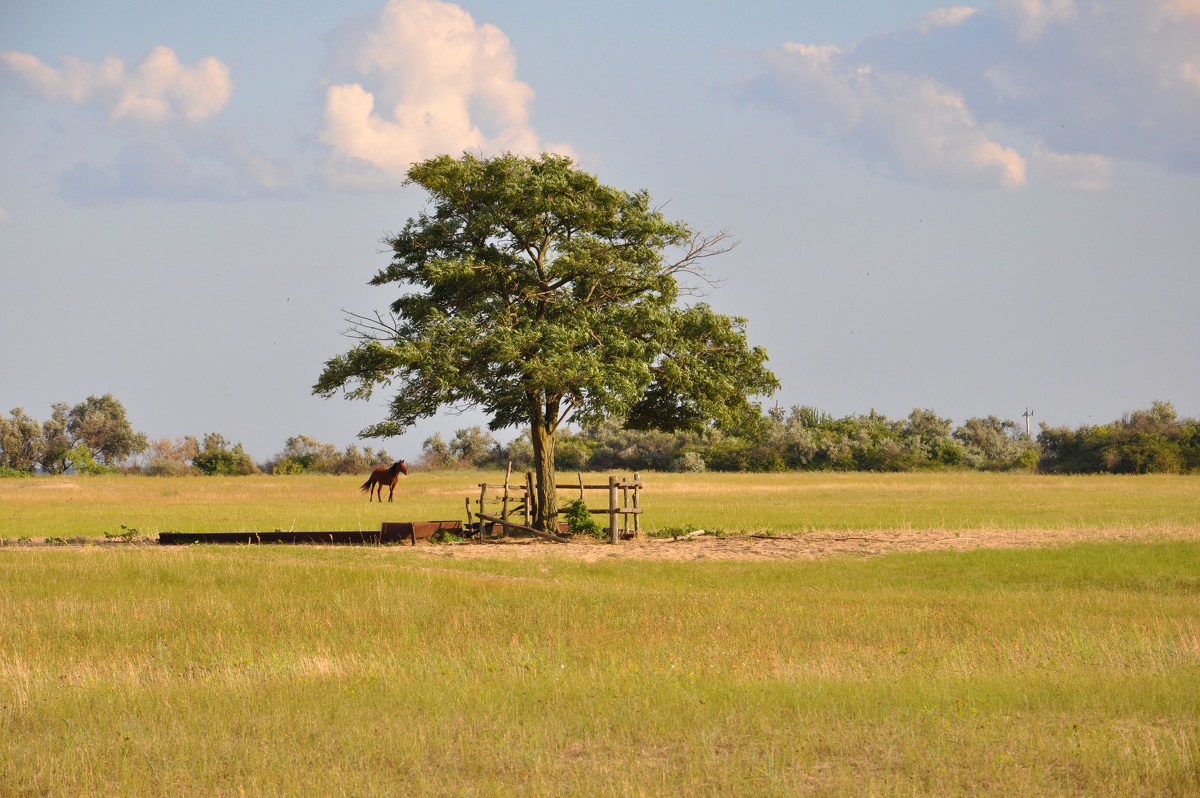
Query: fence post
point(482, 498)
point(637, 489)
point(612, 509)
point(504, 513)
point(625, 506)
point(530, 499)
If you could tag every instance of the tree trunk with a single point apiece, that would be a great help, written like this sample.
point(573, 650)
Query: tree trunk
point(542, 432)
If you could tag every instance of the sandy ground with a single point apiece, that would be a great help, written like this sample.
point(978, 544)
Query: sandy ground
point(811, 546)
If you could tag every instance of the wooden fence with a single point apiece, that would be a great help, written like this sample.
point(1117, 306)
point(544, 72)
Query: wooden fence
point(623, 499)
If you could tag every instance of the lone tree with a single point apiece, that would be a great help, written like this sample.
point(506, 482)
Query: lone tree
point(539, 295)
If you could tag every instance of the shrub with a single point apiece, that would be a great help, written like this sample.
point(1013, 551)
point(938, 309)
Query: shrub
point(580, 522)
point(168, 468)
point(219, 458)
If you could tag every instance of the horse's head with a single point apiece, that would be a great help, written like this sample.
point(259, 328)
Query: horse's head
point(402, 467)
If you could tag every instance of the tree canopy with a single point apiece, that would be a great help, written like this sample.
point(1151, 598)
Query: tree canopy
point(531, 291)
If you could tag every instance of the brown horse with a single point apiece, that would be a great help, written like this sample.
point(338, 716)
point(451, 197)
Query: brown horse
point(384, 476)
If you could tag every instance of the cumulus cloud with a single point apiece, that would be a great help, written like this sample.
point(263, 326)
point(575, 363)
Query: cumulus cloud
point(424, 79)
point(910, 125)
point(216, 165)
point(1031, 18)
point(1080, 172)
point(158, 90)
point(974, 97)
point(177, 154)
point(945, 18)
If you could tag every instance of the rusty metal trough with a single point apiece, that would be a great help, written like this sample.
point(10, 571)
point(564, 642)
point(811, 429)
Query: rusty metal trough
point(389, 532)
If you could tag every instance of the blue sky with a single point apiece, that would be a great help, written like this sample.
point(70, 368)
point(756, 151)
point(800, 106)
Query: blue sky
point(975, 209)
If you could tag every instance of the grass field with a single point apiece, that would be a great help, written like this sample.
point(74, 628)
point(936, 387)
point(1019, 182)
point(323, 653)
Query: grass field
point(394, 671)
point(779, 503)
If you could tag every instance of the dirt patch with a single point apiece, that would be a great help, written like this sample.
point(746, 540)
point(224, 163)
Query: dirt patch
point(811, 546)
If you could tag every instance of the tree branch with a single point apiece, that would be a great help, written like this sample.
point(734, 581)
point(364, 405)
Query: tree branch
point(371, 328)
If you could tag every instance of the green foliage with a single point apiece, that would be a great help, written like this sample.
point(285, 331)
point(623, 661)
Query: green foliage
point(168, 468)
point(541, 296)
point(127, 534)
point(1153, 441)
point(80, 457)
point(303, 454)
point(13, 473)
point(444, 536)
point(580, 521)
point(21, 442)
point(470, 448)
point(99, 424)
point(218, 457)
point(677, 531)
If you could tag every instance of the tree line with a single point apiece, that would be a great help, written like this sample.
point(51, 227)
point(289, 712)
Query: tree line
point(807, 439)
point(95, 436)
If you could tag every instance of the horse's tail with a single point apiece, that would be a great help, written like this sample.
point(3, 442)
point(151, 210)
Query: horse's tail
point(366, 486)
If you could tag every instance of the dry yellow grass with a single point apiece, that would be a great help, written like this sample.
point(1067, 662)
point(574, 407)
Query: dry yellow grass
point(774, 503)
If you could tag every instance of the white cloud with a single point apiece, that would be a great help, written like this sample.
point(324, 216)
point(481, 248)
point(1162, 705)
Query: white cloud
point(159, 90)
point(1091, 80)
point(911, 125)
point(1080, 172)
point(1190, 72)
point(1031, 18)
point(425, 79)
point(204, 165)
point(176, 154)
point(945, 18)
point(1179, 9)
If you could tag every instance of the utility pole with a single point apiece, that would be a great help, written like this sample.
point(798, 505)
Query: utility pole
point(1028, 415)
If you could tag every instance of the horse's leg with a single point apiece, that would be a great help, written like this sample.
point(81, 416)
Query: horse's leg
point(375, 485)
point(391, 490)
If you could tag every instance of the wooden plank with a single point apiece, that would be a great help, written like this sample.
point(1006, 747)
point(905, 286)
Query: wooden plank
point(391, 532)
point(416, 530)
point(574, 487)
point(493, 519)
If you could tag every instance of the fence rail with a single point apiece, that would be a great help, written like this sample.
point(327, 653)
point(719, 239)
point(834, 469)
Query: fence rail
point(520, 497)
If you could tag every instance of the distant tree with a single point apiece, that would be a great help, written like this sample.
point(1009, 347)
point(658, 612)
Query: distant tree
point(302, 453)
point(1142, 442)
point(927, 436)
point(57, 442)
point(355, 461)
point(100, 425)
point(21, 442)
point(472, 446)
point(541, 296)
point(172, 458)
point(435, 453)
point(218, 457)
point(990, 443)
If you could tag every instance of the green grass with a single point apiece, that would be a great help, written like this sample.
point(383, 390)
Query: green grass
point(780, 503)
point(360, 671)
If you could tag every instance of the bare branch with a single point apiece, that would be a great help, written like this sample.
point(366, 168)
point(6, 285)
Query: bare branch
point(371, 328)
point(700, 248)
